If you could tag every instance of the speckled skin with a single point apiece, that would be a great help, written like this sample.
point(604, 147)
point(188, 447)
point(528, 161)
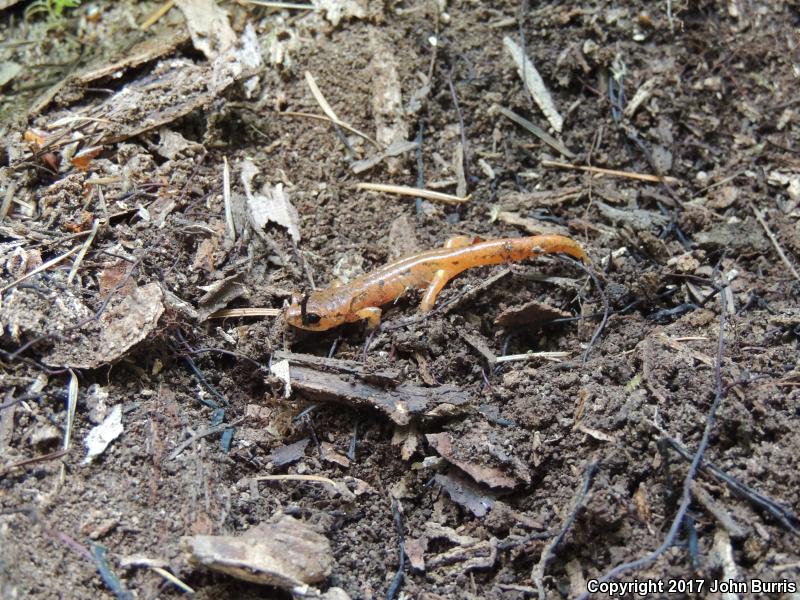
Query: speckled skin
point(432, 269)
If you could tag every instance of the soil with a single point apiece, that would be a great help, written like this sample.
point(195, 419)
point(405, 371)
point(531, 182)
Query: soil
point(574, 456)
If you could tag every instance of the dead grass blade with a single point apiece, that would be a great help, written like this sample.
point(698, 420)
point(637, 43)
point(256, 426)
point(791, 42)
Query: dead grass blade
point(326, 108)
point(612, 172)
point(43, 267)
point(774, 241)
point(72, 403)
point(230, 229)
point(245, 312)
point(157, 14)
point(538, 132)
point(280, 5)
point(84, 249)
point(534, 84)
point(403, 190)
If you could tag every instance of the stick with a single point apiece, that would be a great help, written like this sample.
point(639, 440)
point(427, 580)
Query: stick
point(245, 312)
point(72, 403)
point(157, 14)
point(774, 241)
point(552, 356)
point(84, 249)
point(326, 108)
point(354, 131)
point(534, 84)
point(612, 172)
point(281, 5)
point(404, 190)
point(40, 268)
point(230, 229)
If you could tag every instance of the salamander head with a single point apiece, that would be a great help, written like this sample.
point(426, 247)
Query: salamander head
point(305, 313)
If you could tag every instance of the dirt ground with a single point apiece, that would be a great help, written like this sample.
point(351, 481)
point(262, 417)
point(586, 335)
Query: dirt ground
point(502, 472)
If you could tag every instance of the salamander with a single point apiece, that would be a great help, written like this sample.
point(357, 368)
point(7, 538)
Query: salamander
point(362, 298)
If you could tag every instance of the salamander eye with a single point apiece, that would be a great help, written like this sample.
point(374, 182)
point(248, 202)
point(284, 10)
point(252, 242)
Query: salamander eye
point(311, 318)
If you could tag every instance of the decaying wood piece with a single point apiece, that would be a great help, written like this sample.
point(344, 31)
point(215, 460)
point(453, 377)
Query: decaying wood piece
point(288, 554)
point(352, 383)
point(383, 377)
point(142, 53)
point(482, 473)
point(173, 89)
point(400, 403)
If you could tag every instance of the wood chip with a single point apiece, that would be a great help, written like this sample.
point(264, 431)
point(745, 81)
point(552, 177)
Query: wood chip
point(494, 478)
point(208, 25)
point(286, 455)
point(330, 454)
point(287, 554)
point(479, 346)
point(107, 339)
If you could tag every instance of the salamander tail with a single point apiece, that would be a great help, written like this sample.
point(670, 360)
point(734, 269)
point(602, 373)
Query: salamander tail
point(554, 244)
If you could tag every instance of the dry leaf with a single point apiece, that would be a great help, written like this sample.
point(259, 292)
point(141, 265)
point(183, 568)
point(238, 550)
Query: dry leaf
point(271, 206)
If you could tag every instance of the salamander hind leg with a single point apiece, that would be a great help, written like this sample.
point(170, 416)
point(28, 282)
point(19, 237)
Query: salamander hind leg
point(372, 315)
point(441, 277)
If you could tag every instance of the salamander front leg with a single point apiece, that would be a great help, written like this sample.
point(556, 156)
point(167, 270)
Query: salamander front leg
point(372, 315)
point(441, 277)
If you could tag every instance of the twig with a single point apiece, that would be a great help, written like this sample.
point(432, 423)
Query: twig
point(201, 434)
point(230, 228)
point(84, 249)
point(691, 473)
point(612, 172)
point(173, 580)
point(293, 113)
point(280, 5)
point(404, 190)
point(72, 403)
point(200, 377)
point(606, 308)
point(552, 356)
point(34, 461)
point(157, 14)
point(339, 488)
point(774, 241)
point(783, 515)
point(715, 510)
point(464, 158)
point(107, 575)
point(40, 268)
point(537, 574)
point(227, 353)
point(9, 197)
point(226, 313)
point(326, 108)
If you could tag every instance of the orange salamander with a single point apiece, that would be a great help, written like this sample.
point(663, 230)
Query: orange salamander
point(361, 298)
